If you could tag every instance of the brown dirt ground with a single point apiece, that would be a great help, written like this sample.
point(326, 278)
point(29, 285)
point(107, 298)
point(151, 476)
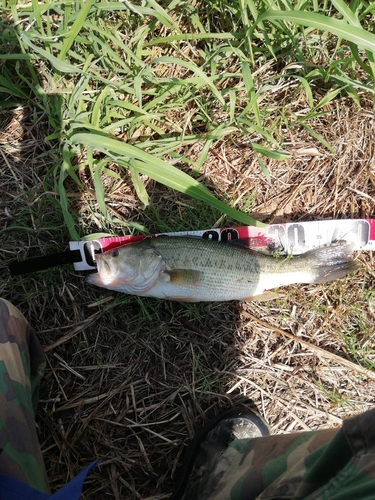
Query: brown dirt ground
point(130, 380)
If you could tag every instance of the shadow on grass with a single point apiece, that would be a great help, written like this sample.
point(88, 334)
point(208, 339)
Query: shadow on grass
point(133, 379)
point(30, 215)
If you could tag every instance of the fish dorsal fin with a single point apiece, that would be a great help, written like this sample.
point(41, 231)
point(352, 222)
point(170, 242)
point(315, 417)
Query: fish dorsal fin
point(184, 277)
point(239, 242)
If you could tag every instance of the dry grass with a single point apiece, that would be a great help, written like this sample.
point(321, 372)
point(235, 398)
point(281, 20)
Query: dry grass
point(129, 380)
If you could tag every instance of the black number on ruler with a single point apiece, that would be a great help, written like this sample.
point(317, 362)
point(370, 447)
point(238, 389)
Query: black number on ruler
point(296, 235)
point(362, 228)
point(358, 232)
point(277, 233)
point(211, 235)
point(229, 234)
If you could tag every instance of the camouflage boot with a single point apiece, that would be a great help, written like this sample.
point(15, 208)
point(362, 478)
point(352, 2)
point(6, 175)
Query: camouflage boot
point(22, 365)
point(329, 464)
point(207, 448)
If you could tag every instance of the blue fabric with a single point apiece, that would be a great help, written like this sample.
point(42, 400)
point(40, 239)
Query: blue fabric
point(13, 489)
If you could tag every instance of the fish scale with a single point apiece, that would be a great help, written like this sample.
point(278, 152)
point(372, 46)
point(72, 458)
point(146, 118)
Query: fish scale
point(194, 269)
point(235, 269)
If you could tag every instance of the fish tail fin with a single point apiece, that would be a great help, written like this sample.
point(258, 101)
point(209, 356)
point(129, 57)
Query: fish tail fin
point(332, 262)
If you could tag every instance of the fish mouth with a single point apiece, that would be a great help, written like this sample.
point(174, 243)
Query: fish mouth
point(94, 279)
point(104, 276)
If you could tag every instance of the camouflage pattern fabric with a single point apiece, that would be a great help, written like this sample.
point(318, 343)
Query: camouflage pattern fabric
point(330, 464)
point(22, 365)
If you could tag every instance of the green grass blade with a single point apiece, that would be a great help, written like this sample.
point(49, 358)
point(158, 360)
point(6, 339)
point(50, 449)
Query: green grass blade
point(60, 188)
point(346, 12)
point(343, 80)
point(96, 170)
point(319, 137)
point(193, 36)
point(276, 155)
point(164, 171)
point(61, 66)
point(95, 116)
point(195, 69)
point(340, 28)
point(250, 89)
point(8, 87)
point(138, 185)
point(76, 28)
point(159, 170)
point(264, 169)
point(307, 88)
point(15, 57)
point(163, 16)
point(328, 98)
point(115, 41)
point(203, 156)
point(232, 104)
point(195, 191)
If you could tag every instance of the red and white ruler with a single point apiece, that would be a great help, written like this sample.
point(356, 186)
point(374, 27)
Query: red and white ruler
point(289, 238)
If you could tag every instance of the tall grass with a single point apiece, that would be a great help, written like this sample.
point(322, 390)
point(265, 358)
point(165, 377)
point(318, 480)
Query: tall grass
point(141, 82)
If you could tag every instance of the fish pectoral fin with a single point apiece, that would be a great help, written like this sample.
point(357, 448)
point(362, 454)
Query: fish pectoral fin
point(187, 277)
point(264, 296)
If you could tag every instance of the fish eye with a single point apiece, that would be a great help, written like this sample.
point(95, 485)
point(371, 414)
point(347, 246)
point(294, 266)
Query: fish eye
point(115, 253)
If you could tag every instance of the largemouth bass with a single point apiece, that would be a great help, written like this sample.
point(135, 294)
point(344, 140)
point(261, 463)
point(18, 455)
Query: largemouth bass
point(190, 269)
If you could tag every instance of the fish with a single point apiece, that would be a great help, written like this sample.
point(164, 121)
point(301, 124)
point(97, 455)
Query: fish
point(192, 269)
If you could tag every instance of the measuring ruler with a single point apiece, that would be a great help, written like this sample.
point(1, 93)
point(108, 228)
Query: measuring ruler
point(289, 238)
